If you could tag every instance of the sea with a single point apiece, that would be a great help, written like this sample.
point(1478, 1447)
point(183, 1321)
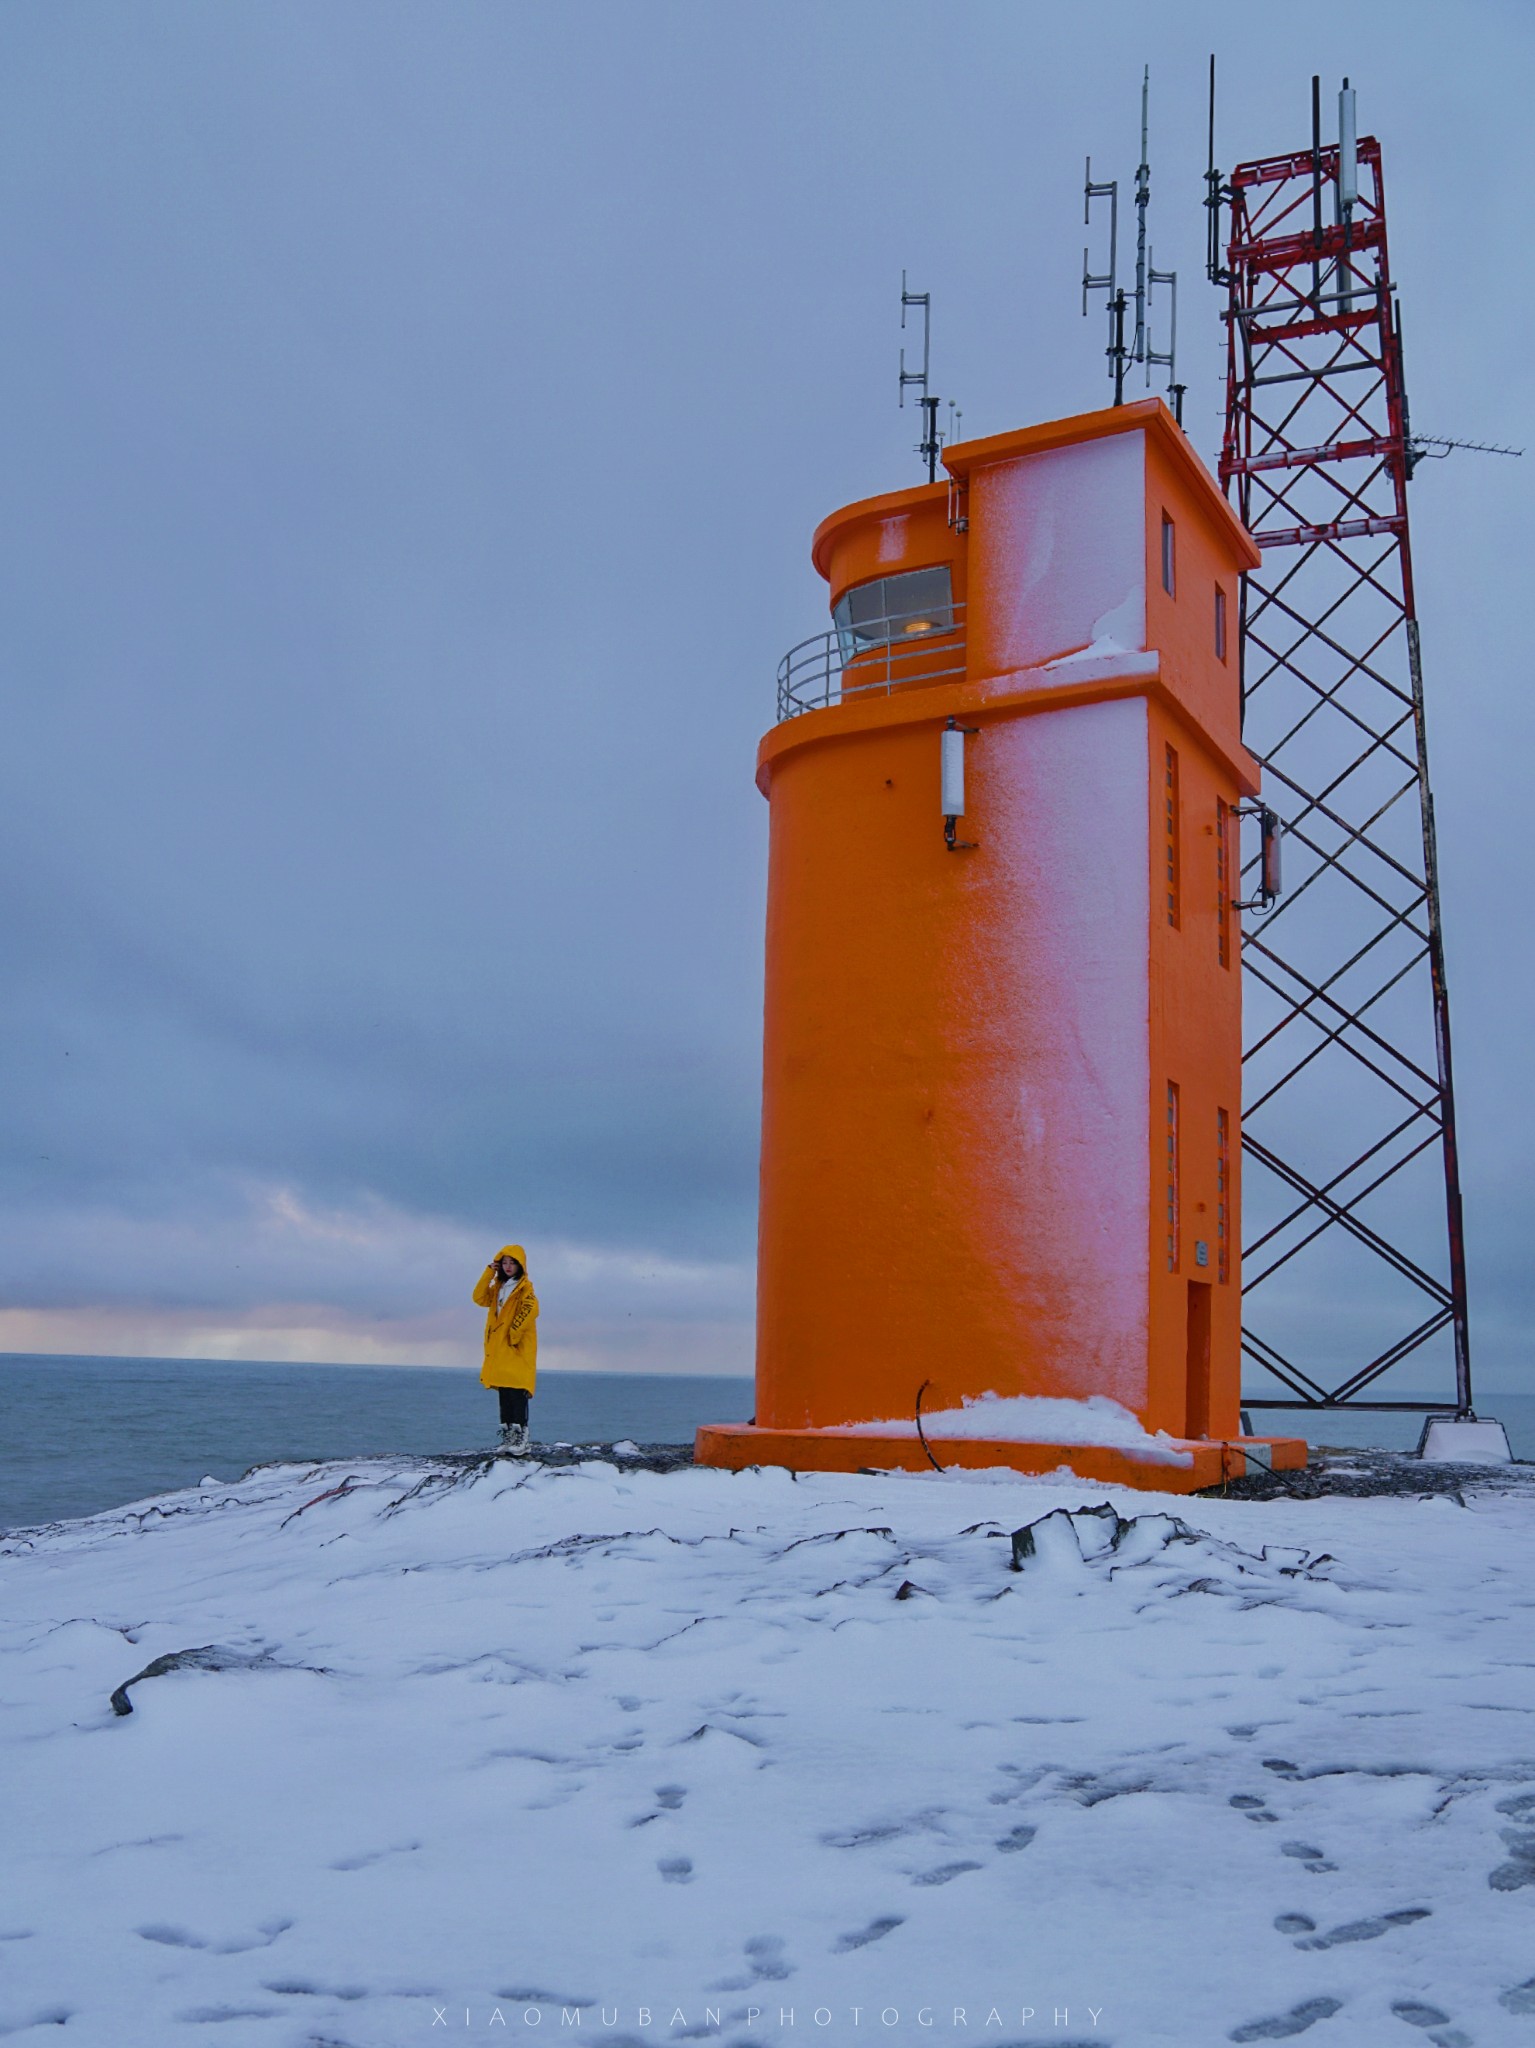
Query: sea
point(79, 1435)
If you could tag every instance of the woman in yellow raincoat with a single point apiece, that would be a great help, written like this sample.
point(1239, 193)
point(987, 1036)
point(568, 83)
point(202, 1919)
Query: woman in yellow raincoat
point(506, 1294)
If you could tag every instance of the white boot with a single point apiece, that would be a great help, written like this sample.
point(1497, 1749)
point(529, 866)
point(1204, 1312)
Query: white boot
point(513, 1441)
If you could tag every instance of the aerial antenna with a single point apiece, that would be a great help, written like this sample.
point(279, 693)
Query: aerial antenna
point(1142, 205)
point(1216, 195)
point(1167, 358)
point(1348, 153)
point(1108, 280)
point(1433, 447)
point(1140, 348)
point(1316, 194)
point(932, 440)
point(1346, 192)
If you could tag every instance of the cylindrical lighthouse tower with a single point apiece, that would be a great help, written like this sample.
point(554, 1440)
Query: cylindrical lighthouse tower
point(1002, 1060)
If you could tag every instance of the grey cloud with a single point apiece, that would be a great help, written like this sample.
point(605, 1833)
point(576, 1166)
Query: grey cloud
point(415, 425)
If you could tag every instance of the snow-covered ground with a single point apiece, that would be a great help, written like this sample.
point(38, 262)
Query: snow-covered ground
point(597, 1753)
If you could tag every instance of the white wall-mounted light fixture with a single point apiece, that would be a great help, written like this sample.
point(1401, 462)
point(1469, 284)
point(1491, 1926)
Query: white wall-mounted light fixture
point(951, 779)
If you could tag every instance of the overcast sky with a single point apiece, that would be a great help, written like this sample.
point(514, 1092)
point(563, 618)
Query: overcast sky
point(414, 420)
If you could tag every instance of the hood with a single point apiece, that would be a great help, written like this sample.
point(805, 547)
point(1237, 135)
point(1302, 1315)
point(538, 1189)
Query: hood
point(513, 1251)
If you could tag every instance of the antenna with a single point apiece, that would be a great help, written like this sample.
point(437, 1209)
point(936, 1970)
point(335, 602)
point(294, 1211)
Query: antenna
point(1434, 447)
point(1316, 192)
point(1346, 194)
point(1109, 280)
point(1167, 358)
point(1216, 196)
point(1348, 153)
point(932, 440)
point(1140, 348)
point(1142, 203)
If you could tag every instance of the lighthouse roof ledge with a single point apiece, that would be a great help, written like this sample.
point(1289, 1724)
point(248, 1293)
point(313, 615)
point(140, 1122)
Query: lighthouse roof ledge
point(1146, 415)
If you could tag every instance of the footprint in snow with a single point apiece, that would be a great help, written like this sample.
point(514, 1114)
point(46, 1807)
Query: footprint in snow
point(1521, 1998)
point(875, 1931)
point(172, 1937)
point(1520, 1868)
point(205, 2015)
point(1312, 1858)
point(1417, 2014)
point(676, 1869)
point(300, 1987)
point(1295, 1923)
point(528, 1994)
point(1017, 1838)
point(1365, 1930)
point(1285, 2026)
point(945, 1873)
point(182, 1937)
point(366, 1856)
point(766, 1954)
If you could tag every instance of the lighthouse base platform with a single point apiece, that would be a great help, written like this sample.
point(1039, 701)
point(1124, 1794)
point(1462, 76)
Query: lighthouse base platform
point(1186, 1465)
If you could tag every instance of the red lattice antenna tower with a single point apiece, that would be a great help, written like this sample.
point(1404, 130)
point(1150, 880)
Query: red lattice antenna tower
point(1354, 1260)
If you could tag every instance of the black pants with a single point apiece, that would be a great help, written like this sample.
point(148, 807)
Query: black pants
point(514, 1404)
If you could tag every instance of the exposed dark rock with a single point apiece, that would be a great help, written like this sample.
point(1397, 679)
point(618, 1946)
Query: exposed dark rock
point(208, 1657)
point(1363, 1473)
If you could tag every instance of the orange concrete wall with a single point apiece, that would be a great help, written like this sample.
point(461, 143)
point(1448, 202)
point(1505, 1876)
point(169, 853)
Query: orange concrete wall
point(954, 1178)
point(1195, 1041)
point(880, 536)
point(966, 1055)
point(1182, 627)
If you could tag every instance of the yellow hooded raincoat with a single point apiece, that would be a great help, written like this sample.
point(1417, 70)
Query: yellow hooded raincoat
point(511, 1331)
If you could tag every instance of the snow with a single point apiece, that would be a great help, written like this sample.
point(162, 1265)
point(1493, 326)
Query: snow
point(1102, 658)
point(1451, 1440)
point(894, 544)
point(467, 1749)
point(1036, 1418)
point(1058, 541)
point(1064, 798)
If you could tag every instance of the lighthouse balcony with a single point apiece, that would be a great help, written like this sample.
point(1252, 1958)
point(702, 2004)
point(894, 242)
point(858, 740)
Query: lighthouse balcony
point(874, 649)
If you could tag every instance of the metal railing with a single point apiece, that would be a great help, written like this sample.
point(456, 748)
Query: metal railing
point(826, 670)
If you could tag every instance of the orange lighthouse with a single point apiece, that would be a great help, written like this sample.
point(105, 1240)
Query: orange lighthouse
point(1002, 1056)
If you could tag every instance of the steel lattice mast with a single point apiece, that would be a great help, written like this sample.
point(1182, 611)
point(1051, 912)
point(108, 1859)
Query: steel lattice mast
point(1353, 1189)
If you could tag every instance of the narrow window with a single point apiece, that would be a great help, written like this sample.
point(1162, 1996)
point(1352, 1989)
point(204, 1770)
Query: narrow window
point(1222, 1196)
point(1172, 1176)
point(1222, 883)
point(1220, 623)
point(1168, 565)
point(1172, 861)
